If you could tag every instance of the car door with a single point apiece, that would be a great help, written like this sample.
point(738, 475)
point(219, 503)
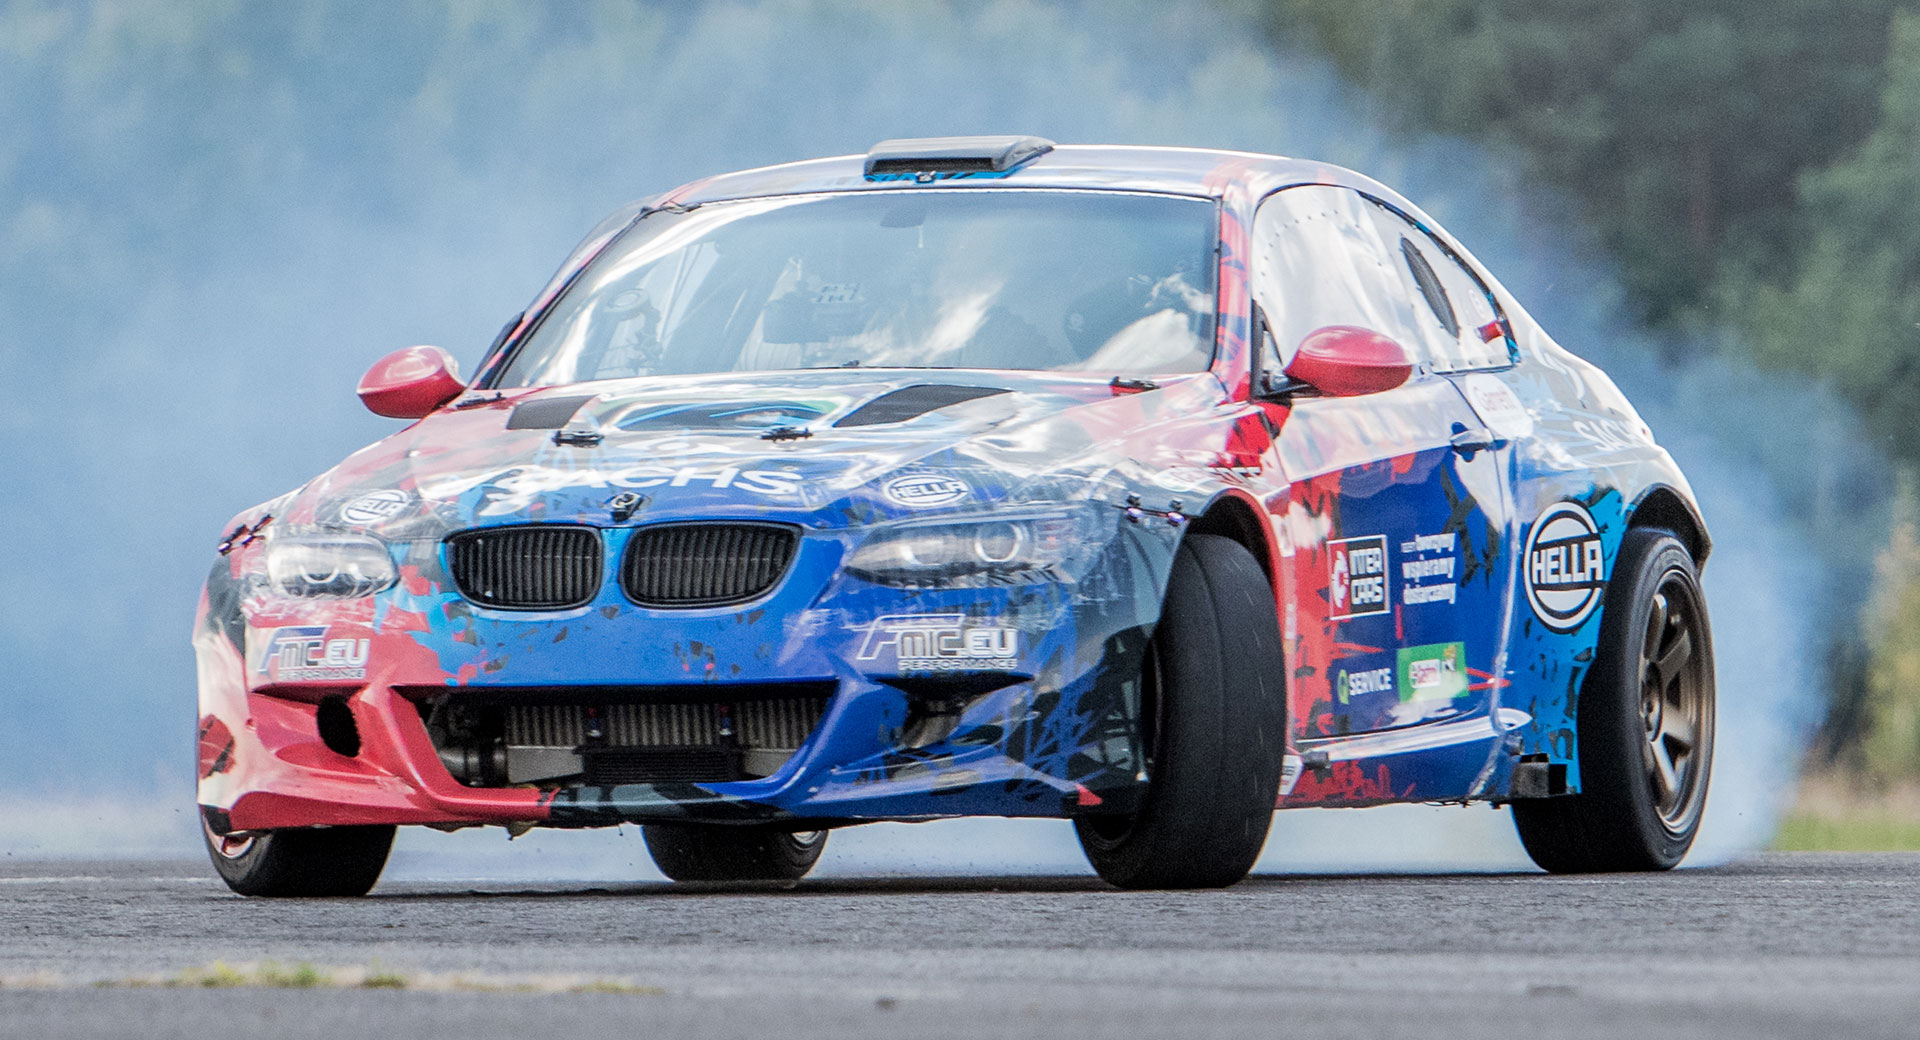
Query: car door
point(1396, 514)
point(1470, 344)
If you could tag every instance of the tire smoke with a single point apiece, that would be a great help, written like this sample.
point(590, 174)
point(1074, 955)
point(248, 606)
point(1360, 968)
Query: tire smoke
point(212, 219)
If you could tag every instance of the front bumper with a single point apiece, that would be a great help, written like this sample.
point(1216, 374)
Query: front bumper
point(1049, 729)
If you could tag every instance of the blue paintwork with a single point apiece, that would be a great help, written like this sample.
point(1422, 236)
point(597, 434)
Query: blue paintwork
point(1059, 736)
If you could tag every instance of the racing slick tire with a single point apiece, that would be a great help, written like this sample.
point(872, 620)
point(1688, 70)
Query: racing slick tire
point(318, 862)
point(1213, 716)
point(1645, 717)
point(710, 852)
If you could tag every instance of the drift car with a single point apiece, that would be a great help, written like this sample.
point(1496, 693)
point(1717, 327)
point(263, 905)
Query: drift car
point(1149, 488)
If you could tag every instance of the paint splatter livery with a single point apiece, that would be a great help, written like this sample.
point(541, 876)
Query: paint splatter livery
point(731, 528)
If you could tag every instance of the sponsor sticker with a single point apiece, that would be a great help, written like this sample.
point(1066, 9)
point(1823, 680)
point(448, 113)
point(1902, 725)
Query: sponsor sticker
point(1435, 672)
point(375, 507)
point(1497, 405)
point(925, 490)
point(1355, 684)
point(1357, 577)
point(1289, 773)
point(1566, 568)
point(1428, 564)
point(514, 489)
point(942, 642)
point(304, 653)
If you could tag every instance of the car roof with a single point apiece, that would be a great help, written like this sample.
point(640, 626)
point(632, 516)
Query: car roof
point(1204, 172)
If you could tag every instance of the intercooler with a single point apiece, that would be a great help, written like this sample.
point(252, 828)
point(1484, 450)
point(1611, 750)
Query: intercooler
point(605, 735)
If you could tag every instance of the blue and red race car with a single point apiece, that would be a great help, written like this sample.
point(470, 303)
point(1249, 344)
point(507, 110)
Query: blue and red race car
point(1146, 487)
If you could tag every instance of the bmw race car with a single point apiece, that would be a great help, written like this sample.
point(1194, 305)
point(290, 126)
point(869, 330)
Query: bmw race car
point(1149, 488)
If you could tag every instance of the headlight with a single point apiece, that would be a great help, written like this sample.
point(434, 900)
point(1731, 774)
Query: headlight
point(977, 552)
point(328, 566)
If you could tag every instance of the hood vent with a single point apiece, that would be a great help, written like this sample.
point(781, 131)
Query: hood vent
point(548, 413)
point(911, 402)
point(954, 154)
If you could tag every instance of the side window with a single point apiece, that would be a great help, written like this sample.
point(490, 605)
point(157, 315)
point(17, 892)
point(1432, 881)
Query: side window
point(1456, 315)
point(1319, 259)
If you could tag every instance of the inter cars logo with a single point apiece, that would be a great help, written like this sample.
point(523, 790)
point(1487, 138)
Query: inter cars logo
point(1566, 568)
point(1357, 577)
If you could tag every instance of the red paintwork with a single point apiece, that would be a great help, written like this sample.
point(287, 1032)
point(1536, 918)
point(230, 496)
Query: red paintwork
point(277, 773)
point(274, 771)
point(410, 383)
point(216, 747)
point(1313, 639)
point(1345, 783)
point(1347, 361)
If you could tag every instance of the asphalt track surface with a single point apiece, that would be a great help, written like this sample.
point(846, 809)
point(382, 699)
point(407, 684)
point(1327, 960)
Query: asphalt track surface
point(1791, 945)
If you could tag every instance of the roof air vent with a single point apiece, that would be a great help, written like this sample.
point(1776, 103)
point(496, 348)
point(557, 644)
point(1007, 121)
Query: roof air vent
point(954, 154)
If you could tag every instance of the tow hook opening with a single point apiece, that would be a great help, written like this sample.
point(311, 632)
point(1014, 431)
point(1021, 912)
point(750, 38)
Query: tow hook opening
point(935, 704)
point(338, 731)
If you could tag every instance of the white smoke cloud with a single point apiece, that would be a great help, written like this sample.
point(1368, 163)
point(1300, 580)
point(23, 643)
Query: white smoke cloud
point(216, 215)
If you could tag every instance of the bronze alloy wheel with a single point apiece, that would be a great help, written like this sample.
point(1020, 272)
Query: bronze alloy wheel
point(1645, 715)
point(1676, 704)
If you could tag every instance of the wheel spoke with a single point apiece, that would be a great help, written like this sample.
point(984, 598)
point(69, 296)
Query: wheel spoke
point(1676, 729)
point(1673, 658)
point(1656, 629)
point(1666, 780)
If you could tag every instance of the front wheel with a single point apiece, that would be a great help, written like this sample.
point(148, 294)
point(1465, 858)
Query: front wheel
point(1645, 718)
point(714, 852)
point(323, 861)
point(1213, 715)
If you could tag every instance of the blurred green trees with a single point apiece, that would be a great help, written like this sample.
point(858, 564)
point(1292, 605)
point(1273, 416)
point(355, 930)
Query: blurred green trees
point(1750, 164)
point(1848, 309)
point(1885, 750)
point(1682, 128)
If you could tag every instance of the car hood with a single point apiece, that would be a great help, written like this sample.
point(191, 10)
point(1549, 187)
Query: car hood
point(822, 448)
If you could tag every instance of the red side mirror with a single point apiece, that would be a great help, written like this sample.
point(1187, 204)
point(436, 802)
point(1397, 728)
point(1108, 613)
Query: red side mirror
point(409, 383)
point(1347, 361)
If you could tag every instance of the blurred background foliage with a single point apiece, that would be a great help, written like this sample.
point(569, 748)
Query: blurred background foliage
point(1751, 165)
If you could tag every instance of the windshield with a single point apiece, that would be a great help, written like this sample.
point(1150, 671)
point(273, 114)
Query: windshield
point(1066, 280)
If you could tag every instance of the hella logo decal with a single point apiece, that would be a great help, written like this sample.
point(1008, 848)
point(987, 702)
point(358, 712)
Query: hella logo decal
point(375, 507)
point(925, 490)
point(1566, 568)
